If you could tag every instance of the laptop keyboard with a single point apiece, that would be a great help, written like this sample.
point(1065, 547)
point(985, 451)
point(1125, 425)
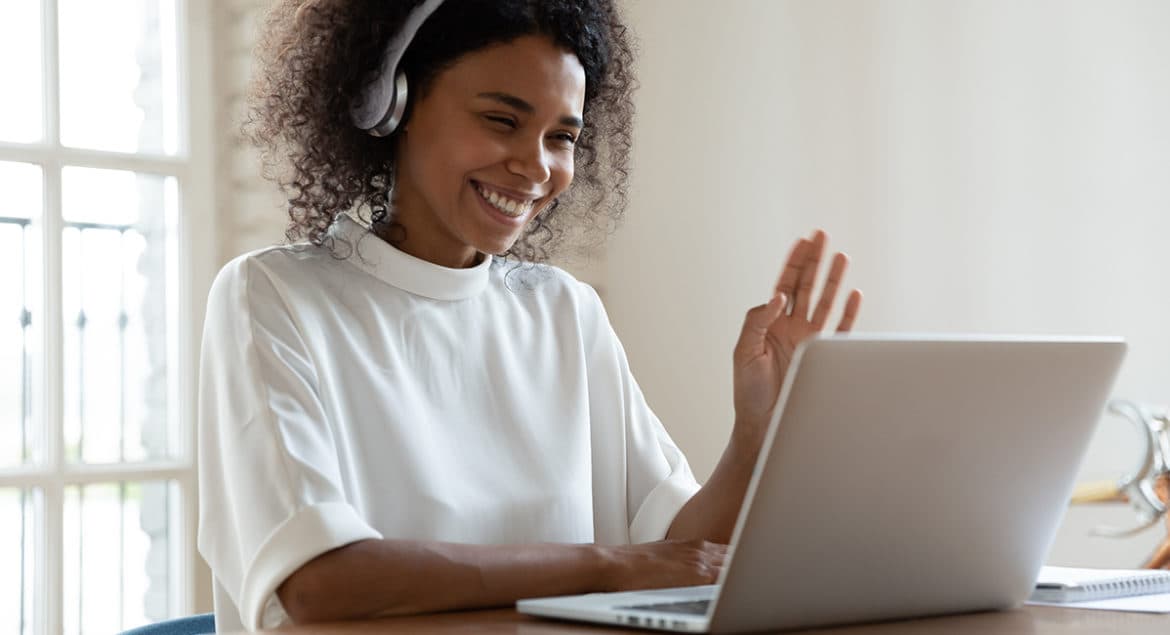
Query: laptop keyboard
point(692, 607)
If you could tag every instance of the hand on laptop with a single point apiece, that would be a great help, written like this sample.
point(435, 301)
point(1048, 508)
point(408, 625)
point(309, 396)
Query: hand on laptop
point(663, 564)
point(772, 331)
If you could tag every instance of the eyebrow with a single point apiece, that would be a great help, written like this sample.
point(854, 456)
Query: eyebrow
point(527, 108)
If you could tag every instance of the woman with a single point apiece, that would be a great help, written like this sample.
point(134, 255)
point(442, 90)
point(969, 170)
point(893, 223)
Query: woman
point(416, 416)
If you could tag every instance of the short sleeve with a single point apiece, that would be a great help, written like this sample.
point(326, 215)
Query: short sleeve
point(270, 495)
point(657, 478)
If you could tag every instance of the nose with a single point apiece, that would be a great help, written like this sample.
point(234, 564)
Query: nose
point(531, 160)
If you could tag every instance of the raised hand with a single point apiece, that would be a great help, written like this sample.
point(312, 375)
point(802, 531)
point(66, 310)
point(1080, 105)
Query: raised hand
point(772, 331)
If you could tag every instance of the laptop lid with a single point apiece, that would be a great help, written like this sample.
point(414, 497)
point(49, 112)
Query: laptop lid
point(912, 475)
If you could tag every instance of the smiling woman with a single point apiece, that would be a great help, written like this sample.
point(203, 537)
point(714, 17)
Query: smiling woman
point(387, 424)
point(315, 58)
point(487, 149)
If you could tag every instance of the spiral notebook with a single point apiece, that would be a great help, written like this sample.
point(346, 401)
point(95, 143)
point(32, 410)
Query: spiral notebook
point(1067, 584)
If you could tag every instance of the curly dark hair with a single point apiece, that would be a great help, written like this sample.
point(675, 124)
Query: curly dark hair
point(315, 56)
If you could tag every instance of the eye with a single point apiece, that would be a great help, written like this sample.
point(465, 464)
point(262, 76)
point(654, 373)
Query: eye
point(501, 120)
point(565, 138)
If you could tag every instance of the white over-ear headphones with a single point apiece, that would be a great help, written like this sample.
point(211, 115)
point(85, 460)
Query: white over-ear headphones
point(382, 104)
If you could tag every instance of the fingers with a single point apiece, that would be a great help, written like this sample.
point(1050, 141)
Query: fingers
point(755, 327)
point(720, 554)
point(808, 275)
point(760, 318)
point(852, 308)
point(798, 280)
point(714, 547)
point(829, 293)
point(712, 556)
point(680, 563)
point(792, 267)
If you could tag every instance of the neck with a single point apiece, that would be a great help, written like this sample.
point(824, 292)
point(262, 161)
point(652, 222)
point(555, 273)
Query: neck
point(399, 236)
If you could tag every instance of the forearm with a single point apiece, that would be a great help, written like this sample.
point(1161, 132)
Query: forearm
point(395, 577)
point(711, 513)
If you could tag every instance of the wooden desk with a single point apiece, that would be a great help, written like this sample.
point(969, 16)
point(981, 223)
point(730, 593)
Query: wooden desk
point(1029, 620)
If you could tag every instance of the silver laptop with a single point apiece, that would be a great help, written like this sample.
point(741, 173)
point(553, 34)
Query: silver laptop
point(902, 476)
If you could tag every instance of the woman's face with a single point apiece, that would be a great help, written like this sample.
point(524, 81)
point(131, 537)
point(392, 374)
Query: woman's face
point(488, 148)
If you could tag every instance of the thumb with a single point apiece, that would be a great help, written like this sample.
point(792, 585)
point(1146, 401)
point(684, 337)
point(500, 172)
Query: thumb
point(756, 324)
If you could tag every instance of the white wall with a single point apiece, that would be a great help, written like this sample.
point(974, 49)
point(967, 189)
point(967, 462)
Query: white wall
point(990, 166)
point(248, 212)
point(250, 209)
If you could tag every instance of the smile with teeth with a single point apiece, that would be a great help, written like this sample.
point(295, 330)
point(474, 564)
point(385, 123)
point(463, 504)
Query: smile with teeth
point(507, 206)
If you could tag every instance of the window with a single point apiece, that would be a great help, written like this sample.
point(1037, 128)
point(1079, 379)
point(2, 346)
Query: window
point(99, 263)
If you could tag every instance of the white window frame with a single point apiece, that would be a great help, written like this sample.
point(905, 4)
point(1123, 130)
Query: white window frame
point(193, 168)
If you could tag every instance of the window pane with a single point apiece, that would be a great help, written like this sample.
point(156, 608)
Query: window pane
point(19, 296)
point(21, 184)
point(119, 565)
point(119, 90)
point(19, 509)
point(118, 281)
point(20, 39)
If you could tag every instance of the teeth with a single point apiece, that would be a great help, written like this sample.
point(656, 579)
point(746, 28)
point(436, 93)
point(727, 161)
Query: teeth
point(506, 205)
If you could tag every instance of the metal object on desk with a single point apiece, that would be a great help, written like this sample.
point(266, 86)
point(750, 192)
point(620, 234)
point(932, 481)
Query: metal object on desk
point(1147, 487)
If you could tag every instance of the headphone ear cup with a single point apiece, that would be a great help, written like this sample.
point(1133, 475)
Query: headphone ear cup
point(382, 105)
point(395, 110)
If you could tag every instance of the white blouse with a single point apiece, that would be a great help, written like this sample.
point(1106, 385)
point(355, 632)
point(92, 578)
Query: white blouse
point(383, 396)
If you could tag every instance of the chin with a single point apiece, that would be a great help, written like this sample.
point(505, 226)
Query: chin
point(497, 249)
point(496, 245)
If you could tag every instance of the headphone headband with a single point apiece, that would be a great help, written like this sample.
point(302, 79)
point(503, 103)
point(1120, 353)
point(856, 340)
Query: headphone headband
point(380, 108)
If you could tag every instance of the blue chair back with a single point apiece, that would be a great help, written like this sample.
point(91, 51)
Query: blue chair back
point(192, 625)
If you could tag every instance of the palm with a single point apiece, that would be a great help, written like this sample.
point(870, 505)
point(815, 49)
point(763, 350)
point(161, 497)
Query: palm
point(772, 331)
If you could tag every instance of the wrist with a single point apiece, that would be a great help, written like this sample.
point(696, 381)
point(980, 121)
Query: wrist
point(747, 437)
point(601, 564)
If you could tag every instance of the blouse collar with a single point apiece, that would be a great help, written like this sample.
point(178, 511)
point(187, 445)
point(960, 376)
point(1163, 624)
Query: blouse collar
point(400, 269)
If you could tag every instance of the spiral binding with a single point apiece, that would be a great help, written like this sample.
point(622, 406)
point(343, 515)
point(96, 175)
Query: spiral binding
point(1137, 584)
